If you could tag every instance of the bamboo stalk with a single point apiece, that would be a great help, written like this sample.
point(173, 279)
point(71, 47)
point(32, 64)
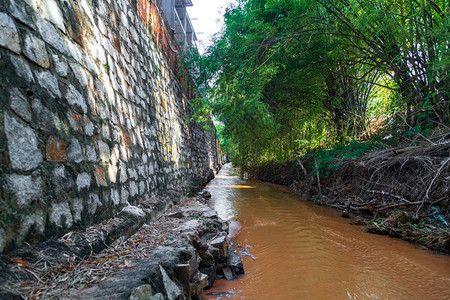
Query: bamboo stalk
point(318, 179)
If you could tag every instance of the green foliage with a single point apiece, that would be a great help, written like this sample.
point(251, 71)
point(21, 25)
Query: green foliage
point(286, 76)
point(202, 112)
point(328, 159)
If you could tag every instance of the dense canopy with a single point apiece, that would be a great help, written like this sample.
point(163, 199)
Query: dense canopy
point(288, 75)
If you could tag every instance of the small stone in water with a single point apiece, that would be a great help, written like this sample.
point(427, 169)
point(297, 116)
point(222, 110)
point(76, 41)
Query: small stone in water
point(229, 274)
point(222, 294)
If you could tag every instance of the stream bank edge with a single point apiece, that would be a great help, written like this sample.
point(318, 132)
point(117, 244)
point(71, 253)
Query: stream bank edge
point(402, 192)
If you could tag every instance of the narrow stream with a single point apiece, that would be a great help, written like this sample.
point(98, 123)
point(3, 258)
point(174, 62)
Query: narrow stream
point(304, 251)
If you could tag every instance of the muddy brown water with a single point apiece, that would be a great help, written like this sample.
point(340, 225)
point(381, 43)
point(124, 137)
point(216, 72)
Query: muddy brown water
point(304, 251)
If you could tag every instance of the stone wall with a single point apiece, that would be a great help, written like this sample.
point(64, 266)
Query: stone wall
point(94, 114)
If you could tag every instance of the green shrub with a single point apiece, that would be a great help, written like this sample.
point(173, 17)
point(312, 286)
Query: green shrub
point(330, 160)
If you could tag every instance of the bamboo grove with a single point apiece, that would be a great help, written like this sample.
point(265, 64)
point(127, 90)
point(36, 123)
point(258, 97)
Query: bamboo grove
point(288, 75)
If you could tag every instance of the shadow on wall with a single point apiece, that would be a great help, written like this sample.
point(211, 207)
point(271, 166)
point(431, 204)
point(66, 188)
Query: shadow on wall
point(93, 116)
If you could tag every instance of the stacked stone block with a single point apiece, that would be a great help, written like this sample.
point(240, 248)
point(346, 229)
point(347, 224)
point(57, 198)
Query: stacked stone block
point(93, 118)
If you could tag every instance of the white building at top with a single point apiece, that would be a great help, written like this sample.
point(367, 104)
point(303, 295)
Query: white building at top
point(179, 21)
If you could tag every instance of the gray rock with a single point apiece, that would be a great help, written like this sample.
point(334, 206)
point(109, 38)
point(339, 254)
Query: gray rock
point(142, 187)
point(43, 116)
point(181, 253)
point(34, 49)
point(177, 215)
point(75, 98)
point(200, 283)
point(220, 295)
point(228, 274)
point(123, 171)
point(74, 152)
point(61, 179)
point(9, 37)
point(49, 82)
point(115, 198)
point(206, 195)
point(216, 253)
point(80, 73)
point(104, 151)
point(101, 26)
point(121, 285)
point(25, 188)
point(112, 172)
point(51, 35)
point(133, 211)
point(88, 127)
point(106, 43)
point(104, 112)
point(61, 66)
point(52, 13)
point(124, 195)
point(133, 189)
point(77, 207)
point(90, 65)
point(91, 153)
point(93, 203)
point(212, 274)
point(222, 243)
point(207, 260)
point(2, 240)
point(182, 275)
point(172, 290)
point(74, 52)
point(132, 173)
point(83, 181)
point(234, 262)
point(151, 169)
point(22, 145)
point(210, 214)
point(61, 215)
point(32, 3)
point(75, 121)
point(190, 226)
point(157, 296)
point(22, 68)
point(141, 292)
point(20, 105)
point(35, 220)
point(19, 12)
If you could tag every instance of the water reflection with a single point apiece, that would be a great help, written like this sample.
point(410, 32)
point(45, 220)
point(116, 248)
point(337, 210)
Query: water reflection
point(304, 251)
point(222, 192)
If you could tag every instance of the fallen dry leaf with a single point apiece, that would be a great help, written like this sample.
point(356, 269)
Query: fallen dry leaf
point(20, 262)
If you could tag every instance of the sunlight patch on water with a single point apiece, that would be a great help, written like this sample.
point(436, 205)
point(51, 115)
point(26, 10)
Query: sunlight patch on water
point(263, 223)
point(226, 176)
point(233, 186)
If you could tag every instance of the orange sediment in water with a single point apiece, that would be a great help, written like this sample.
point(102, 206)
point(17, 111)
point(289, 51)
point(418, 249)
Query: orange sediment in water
point(305, 251)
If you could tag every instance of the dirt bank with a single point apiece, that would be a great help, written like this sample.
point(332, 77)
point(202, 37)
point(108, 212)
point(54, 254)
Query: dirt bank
point(403, 192)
